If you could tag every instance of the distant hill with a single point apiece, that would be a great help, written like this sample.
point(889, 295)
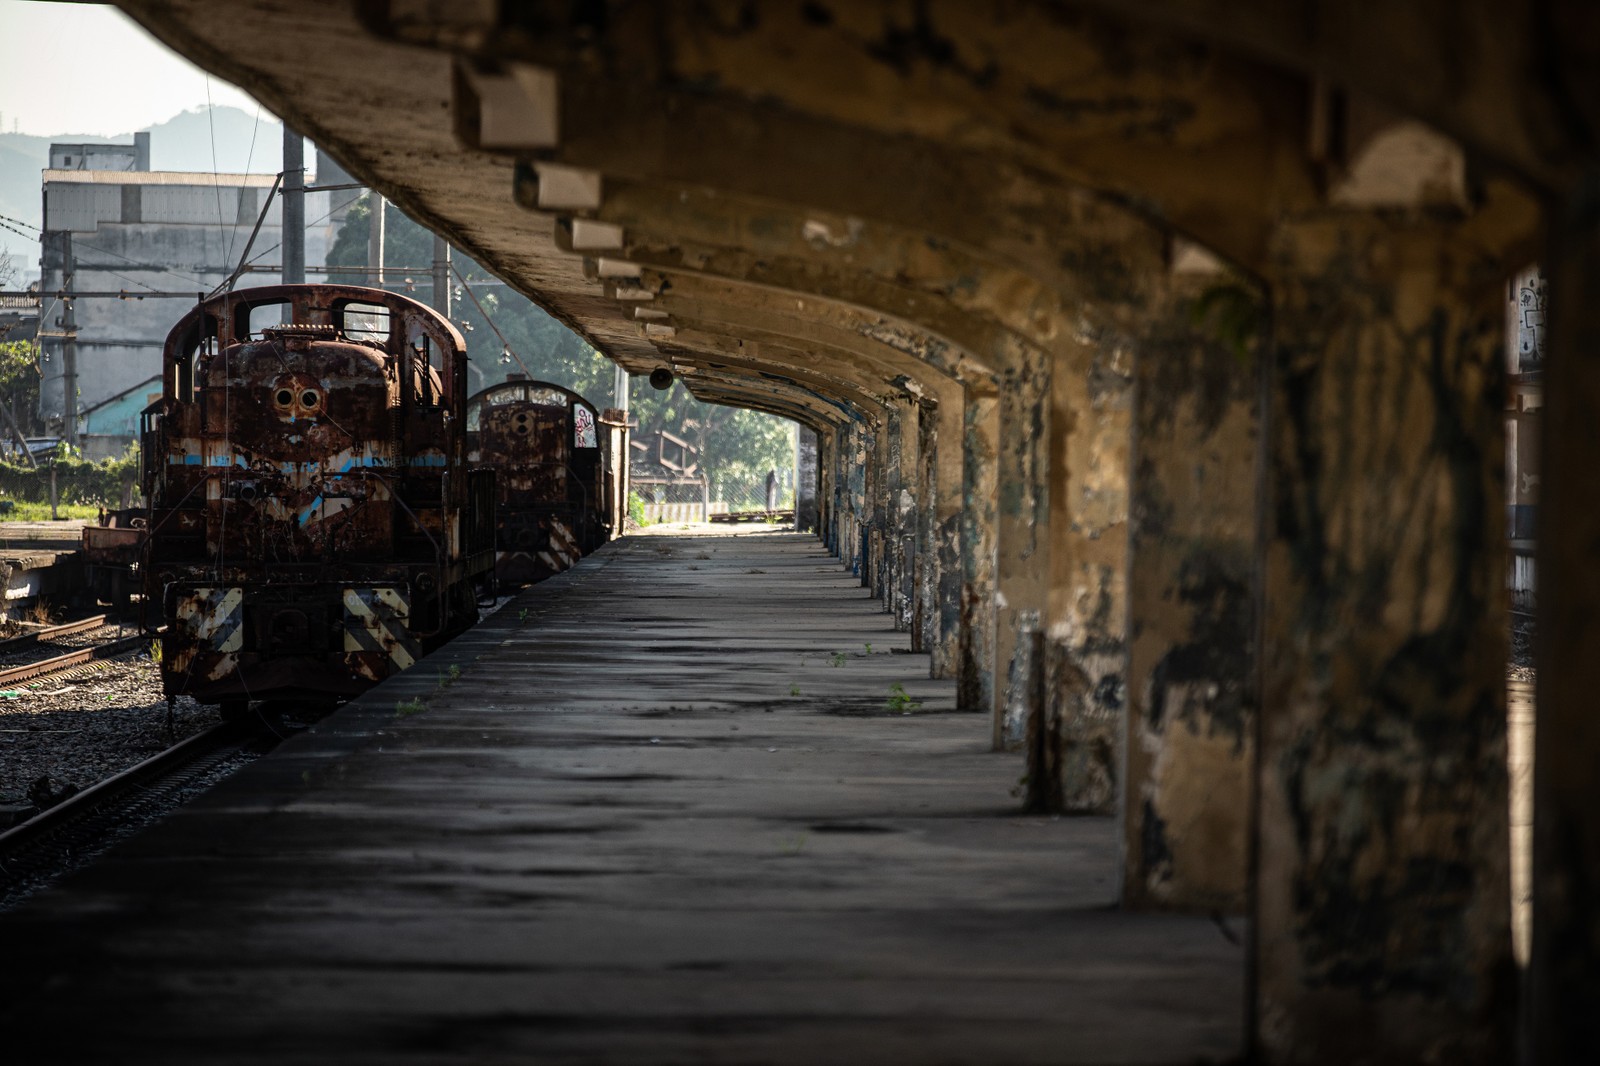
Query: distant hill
point(183, 142)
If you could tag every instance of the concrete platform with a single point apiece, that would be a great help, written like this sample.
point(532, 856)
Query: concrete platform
point(664, 814)
point(40, 560)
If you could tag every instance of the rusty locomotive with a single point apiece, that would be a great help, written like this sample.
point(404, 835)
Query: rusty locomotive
point(314, 525)
point(560, 469)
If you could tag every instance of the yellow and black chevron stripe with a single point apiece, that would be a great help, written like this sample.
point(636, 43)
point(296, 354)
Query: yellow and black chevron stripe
point(378, 620)
point(562, 551)
point(214, 617)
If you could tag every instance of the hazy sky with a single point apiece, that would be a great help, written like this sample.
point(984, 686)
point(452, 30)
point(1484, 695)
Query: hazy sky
point(84, 68)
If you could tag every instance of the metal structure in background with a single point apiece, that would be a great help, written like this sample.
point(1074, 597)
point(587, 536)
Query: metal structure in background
point(665, 472)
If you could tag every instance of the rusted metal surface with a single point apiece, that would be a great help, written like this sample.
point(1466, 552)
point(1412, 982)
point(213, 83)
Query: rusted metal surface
point(310, 529)
point(552, 455)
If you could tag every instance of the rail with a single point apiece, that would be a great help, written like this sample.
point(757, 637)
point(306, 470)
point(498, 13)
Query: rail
point(76, 828)
point(18, 675)
point(50, 633)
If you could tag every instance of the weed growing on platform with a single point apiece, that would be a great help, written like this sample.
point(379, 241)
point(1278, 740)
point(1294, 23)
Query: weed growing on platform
point(522, 617)
point(868, 647)
point(407, 708)
point(900, 701)
point(836, 659)
point(794, 690)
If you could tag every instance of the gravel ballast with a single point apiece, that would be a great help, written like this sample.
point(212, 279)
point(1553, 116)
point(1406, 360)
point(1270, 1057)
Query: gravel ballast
point(62, 735)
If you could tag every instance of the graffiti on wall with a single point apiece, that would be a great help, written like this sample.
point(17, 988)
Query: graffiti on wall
point(1530, 320)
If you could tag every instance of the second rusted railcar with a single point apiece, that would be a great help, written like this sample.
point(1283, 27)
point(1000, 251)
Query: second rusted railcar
point(556, 475)
point(314, 525)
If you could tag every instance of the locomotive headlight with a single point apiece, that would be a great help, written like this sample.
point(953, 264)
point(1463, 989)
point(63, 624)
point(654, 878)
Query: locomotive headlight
point(424, 582)
point(284, 397)
point(309, 399)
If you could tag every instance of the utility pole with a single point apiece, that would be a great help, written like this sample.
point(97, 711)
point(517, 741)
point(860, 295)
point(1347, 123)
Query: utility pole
point(294, 207)
point(375, 239)
point(620, 392)
point(441, 275)
point(69, 346)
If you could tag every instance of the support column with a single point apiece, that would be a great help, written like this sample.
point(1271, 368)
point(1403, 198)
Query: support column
point(1382, 929)
point(1564, 970)
point(1075, 761)
point(860, 473)
point(828, 488)
point(903, 519)
point(937, 610)
point(925, 566)
point(1022, 540)
point(1192, 593)
point(980, 448)
point(807, 471)
point(883, 482)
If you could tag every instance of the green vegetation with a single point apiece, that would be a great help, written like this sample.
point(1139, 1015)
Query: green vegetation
point(1231, 312)
point(78, 481)
point(900, 701)
point(40, 512)
point(407, 708)
point(19, 387)
point(837, 659)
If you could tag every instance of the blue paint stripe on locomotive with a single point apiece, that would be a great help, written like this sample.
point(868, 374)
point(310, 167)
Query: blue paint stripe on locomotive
point(372, 461)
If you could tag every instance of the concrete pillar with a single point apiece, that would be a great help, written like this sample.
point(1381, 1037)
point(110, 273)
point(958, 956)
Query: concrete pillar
point(1564, 969)
point(1382, 925)
point(941, 558)
point(861, 472)
point(1023, 539)
point(806, 480)
point(980, 448)
point(844, 464)
point(882, 479)
point(1192, 592)
point(903, 517)
point(856, 445)
point(1076, 755)
point(828, 488)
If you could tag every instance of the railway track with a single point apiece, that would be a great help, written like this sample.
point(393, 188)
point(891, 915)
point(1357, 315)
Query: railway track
point(12, 676)
point(49, 634)
point(69, 834)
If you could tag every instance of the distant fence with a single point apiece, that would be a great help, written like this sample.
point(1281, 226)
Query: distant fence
point(658, 500)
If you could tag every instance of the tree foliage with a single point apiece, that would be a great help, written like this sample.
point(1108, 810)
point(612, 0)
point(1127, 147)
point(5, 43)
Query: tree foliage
point(735, 443)
point(19, 387)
